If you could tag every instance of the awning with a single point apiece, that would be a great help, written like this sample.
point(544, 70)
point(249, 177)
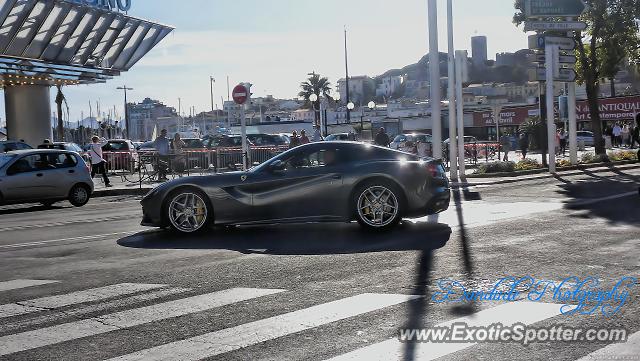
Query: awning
point(65, 42)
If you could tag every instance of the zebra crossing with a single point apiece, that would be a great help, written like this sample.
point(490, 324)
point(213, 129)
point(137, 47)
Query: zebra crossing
point(234, 338)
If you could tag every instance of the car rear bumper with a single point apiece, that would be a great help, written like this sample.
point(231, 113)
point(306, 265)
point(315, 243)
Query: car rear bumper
point(437, 203)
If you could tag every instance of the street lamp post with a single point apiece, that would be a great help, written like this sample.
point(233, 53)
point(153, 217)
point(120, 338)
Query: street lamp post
point(126, 110)
point(313, 98)
point(350, 107)
point(372, 107)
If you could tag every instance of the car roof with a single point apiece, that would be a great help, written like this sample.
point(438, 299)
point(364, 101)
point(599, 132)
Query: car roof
point(39, 151)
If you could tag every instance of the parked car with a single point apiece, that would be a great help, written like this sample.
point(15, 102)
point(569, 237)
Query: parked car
point(268, 140)
point(196, 156)
point(44, 176)
point(9, 145)
point(335, 181)
point(121, 154)
point(340, 137)
point(227, 141)
point(587, 137)
point(467, 140)
point(404, 141)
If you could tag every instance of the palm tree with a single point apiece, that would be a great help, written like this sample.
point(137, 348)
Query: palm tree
point(320, 86)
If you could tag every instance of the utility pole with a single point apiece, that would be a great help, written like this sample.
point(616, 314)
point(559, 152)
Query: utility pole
point(126, 110)
point(212, 81)
point(346, 68)
point(453, 152)
point(434, 72)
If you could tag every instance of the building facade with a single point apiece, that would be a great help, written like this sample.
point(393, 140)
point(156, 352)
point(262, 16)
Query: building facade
point(145, 116)
point(479, 53)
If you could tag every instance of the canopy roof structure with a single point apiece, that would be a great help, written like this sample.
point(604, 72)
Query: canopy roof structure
point(61, 42)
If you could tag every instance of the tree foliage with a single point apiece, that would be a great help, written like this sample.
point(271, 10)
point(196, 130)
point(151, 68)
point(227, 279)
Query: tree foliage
point(317, 85)
point(610, 39)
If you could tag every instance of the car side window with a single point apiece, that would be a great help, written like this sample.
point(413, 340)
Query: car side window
point(62, 160)
point(314, 159)
point(30, 163)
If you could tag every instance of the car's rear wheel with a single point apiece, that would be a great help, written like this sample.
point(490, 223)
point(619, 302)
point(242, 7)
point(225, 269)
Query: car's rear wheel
point(188, 211)
point(378, 205)
point(79, 195)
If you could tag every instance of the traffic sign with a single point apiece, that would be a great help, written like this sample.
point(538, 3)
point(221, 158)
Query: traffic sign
point(563, 59)
point(554, 25)
point(559, 8)
point(540, 41)
point(240, 94)
point(564, 75)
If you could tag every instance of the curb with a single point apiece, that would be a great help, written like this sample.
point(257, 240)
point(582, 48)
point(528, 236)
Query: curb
point(597, 169)
point(120, 192)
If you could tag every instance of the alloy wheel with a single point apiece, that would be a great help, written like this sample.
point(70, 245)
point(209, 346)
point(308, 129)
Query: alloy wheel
point(378, 206)
point(188, 212)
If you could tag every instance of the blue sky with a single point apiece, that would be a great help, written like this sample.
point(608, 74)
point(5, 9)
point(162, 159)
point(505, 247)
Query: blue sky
point(275, 43)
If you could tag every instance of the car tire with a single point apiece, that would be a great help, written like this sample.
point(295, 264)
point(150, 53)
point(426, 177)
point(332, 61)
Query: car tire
point(188, 210)
point(378, 205)
point(79, 195)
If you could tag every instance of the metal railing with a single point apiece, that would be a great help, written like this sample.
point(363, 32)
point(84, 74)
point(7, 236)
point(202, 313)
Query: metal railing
point(149, 166)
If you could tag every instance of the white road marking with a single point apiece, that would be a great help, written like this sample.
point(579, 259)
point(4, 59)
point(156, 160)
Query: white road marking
point(74, 298)
point(587, 202)
point(234, 338)
point(66, 223)
point(83, 238)
point(116, 321)
point(629, 350)
point(17, 284)
point(507, 314)
point(8, 327)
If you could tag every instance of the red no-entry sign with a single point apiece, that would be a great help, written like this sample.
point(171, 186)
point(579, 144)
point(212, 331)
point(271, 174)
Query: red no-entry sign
point(240, 94)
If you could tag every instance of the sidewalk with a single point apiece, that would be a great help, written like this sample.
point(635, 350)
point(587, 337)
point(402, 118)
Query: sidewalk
point(485, 181)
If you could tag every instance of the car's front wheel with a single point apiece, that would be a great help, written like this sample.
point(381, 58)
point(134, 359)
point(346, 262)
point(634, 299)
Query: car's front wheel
point(378, 205)
point(79, 195)
point(188, 211)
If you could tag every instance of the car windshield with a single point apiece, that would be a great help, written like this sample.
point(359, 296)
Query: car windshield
point(116, 147)
point(5, 158)
point(193, 143)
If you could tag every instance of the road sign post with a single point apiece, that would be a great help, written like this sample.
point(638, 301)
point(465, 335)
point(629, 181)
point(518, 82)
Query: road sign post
point(241, 94)
point(551, 52)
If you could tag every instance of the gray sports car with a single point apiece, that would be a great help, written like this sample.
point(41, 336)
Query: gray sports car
point(318, 182)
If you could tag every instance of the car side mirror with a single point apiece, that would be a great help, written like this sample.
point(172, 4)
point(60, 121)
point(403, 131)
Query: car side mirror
point(277, 166)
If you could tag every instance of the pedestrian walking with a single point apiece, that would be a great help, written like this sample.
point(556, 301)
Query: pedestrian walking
point(505, 142)
point(382, 139)
point(617, 132)
point(178, 146)
point(303, 137)
point(317, 135)
point(294, 141)
point(563, 142)
point(98, 164)
point(163, 147)
point(626, 136)
point(524, 145)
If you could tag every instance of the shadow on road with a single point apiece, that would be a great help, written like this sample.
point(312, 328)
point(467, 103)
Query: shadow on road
point(614, 198)
point(306, 239)
point(418, 309)
point(28, 209)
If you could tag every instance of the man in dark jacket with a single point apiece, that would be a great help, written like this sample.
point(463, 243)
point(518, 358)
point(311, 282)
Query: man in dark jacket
point(382, 139)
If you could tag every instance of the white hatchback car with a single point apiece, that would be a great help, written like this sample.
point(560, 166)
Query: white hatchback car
point(44, 176)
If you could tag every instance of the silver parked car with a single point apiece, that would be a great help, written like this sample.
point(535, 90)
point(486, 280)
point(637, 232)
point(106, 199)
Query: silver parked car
point(44, 176)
